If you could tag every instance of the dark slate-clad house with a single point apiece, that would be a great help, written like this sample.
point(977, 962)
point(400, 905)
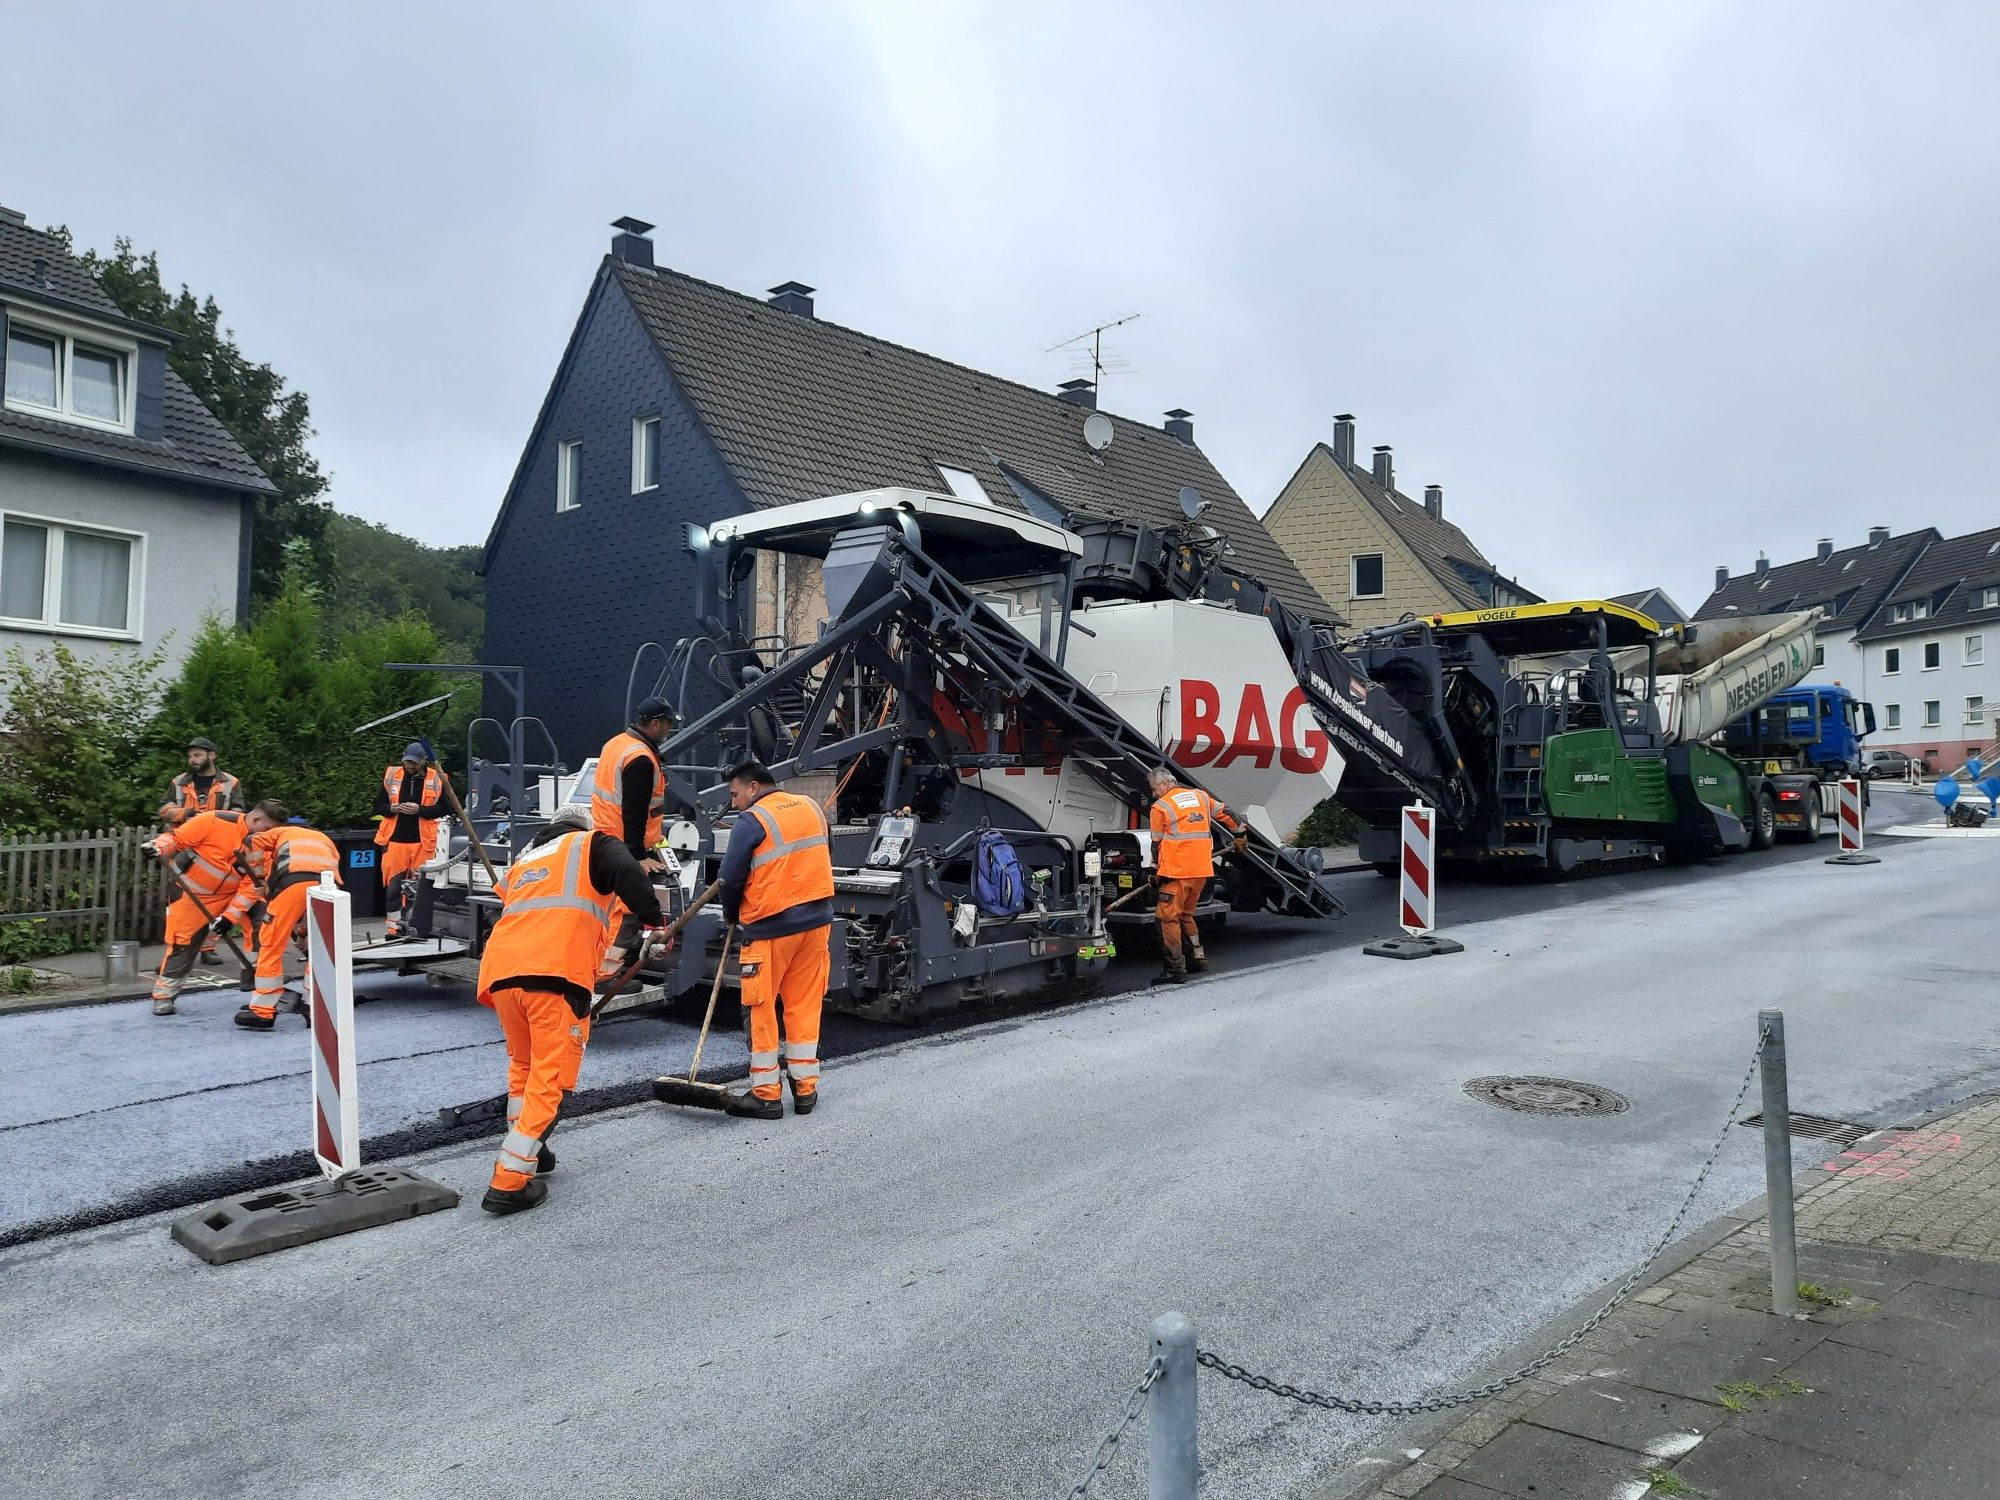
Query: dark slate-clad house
point(125, 506)
point(678, 401)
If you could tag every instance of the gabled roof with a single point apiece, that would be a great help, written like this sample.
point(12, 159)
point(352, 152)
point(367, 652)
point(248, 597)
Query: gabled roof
point(193, 445)
point(1848, 585)
point(801, 408)
point(1655, 602)
point(1950, 577)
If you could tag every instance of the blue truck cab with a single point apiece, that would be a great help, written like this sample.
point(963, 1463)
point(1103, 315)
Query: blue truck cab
point(1819, 727)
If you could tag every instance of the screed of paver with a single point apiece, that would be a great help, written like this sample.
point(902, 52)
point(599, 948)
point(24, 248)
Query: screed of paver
point(940, 1282)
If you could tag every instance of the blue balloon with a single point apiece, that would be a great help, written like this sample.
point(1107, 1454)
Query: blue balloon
point(1946, 792)
point(1991, 786)
point(1973, 769)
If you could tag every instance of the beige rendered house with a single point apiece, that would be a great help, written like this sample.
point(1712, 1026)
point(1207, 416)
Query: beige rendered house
point(1372, 552)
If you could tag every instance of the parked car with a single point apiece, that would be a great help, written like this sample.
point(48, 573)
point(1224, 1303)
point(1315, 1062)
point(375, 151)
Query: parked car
point(1885, 765)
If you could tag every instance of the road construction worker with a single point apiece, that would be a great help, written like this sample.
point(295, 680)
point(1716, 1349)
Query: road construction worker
point(284, 860)
point(629, 797)
point(1184, 821)
point(777, 889)
point(201, 849)
point(407, 809)
point(204, 787)
point(561, 902)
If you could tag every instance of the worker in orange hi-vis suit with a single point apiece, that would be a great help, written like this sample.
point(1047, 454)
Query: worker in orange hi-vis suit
point(777, 883)
point(561, 903)
point(284, 860)
point(202, 847)
point(409, 805)
point(1184, 820)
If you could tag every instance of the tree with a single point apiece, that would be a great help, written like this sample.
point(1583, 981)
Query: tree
point(272, 423)
point(379, 575)
point(71, 741)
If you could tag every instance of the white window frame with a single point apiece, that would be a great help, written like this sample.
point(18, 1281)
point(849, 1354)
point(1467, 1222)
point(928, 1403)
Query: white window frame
point(1989, 598)
point(1974, 648)
point(640, 423)
point(569, 474)
point(67, 336)
point(1975, 708)
point(51, 622)
point(1354, 575)
point(1892, 654)
point(1819, 653)
point(963, 483)
point(1928, 648)
point(1933, 712)
point(1892, 716)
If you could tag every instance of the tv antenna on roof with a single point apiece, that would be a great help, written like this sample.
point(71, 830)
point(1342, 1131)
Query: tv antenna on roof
point(1099, 363)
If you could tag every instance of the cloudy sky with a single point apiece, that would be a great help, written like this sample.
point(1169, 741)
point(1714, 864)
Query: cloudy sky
point(1646, 287)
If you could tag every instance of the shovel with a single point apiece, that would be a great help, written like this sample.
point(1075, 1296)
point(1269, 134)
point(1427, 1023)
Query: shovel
point(246, 978)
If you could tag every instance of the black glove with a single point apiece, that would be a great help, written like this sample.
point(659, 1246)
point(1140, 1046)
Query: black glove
point(220, 926)
point(147, 851)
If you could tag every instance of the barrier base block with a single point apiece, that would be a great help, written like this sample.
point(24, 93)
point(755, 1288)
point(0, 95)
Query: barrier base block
point(1430, 945)
point(278, 1218)
point(1854, 858)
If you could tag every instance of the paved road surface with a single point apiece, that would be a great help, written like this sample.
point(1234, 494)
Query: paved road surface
point(939, 1284)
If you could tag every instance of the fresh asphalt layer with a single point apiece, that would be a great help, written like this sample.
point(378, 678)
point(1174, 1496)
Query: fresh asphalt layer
point(107, 1112)
point(940, 1283)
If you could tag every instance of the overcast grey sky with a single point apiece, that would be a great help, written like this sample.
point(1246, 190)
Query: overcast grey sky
point(1646, 287)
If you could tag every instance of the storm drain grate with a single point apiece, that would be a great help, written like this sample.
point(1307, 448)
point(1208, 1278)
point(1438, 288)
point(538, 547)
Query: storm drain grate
point(1842, 1133)
point(1548, 1096)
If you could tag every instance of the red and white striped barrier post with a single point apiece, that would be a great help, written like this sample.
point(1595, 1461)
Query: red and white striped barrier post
point(1853, 826)
point(1416, 894)
point(330, 993)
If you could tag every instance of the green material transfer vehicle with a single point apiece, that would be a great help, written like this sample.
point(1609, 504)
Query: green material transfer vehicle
point(1580, 747)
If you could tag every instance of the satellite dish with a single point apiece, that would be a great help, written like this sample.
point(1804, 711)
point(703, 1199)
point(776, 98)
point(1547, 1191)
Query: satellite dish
point(1098, 432)
point(1192, 505)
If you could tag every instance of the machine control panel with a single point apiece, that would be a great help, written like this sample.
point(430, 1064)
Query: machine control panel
point(893, 837)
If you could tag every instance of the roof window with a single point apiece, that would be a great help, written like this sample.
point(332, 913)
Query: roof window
point(53, 373)
point(964, 484)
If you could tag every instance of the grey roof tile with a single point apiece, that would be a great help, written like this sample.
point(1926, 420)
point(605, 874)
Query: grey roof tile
point(1950, 577)
point(1849, 584)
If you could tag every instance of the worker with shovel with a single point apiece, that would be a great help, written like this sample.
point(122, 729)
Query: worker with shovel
point(1184, 819)
point(285, 859)
point(411, 801)
point(561, 903)
point(200, 848)
point(777, 884)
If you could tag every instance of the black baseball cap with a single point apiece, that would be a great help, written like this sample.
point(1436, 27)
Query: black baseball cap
point(201, 743)
point(654, 708)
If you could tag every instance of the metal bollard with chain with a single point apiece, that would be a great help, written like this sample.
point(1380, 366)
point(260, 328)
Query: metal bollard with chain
point(1134, 1404)
point(1420, 1406)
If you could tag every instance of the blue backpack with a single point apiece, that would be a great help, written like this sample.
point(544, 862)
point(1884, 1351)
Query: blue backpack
point(997, 887)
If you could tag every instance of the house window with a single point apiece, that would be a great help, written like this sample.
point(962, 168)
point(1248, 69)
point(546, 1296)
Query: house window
point(1933, 650)
point(569, 475)
point(1975, 650)
point(1989, 598)
point(74, 379)
point(1975, 709)
point(1819, 656)
point(964, 484)
point(1364, 576)
point(1892, 661)
point(645, 454)
point(1892, 716)
point(65, 578)
point(1933, 713)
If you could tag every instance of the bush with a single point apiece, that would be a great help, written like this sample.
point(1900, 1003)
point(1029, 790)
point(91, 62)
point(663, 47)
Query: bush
point(71, 740)
point(24, 941)
point(1326, 825)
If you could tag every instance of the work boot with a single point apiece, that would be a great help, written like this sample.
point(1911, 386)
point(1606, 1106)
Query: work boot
point(545, 1160)
point(254, 1020)
point(1173, 968)
point(1197, 956)
point(750, 1107)
point(164, 1008)
point(515, 1200)
point(802, 1104)
point(211, 958)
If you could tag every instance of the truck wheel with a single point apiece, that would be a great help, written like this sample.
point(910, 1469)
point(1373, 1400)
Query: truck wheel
point(1812, 820)
point(1764, 822)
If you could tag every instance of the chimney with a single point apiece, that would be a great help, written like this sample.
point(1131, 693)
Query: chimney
point(630, 244)
point(1078, 393)
point(1877, 535)
point(1434, 501)
point(1721, 579)
point(1178, 425)
point(1763, 565)
point(13, 216)
point(39, 273)
point(793, 297)
point(1825, 548)
point(1385, 469)
point(1343, 439)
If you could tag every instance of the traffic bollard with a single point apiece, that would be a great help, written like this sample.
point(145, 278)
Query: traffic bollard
point(1170, 1425)
point(1778, 1165)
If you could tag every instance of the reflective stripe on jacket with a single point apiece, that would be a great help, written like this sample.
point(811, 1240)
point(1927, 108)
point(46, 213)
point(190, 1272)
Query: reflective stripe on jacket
point(432, 794)
point(204, 850)
point(221, 792)
point(793, 866)
point(553, 921)
point(1183, 833)
point(292, 855)
point(607, 804)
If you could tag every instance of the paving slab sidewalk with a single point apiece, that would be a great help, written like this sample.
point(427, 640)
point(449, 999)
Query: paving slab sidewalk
point(1887, 1389)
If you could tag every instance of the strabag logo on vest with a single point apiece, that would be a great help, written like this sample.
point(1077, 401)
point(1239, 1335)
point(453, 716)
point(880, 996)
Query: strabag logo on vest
point(531, 876)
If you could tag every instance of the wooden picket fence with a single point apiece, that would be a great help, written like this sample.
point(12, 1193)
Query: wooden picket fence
point(91, 883)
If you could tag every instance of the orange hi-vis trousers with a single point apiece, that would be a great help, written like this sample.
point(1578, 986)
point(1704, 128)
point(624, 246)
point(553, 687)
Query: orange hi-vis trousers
point(1174, 908)
point(186, 929)
point(282, 915)
point(789, 971)
point(545, 1042)
point(399, 862)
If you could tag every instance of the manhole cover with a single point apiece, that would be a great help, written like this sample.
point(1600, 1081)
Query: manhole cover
point(1548, 1096)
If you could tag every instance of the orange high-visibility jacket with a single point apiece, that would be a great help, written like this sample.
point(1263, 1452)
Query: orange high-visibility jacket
point(292, 855)
point(433, 793)
point(552, 920)
point(607, 807)
point(1183, 825)
point(794, 864)
point(222, 792)
point(204, 850)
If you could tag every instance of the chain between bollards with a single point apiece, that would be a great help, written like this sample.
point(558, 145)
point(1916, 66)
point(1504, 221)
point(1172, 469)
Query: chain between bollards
point(1778, 1163)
